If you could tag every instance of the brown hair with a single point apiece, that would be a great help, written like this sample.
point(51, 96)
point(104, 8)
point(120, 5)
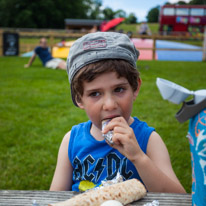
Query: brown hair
point(93, 70)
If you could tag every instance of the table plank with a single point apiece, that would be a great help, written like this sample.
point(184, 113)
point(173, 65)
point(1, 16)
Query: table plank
point(43, 198)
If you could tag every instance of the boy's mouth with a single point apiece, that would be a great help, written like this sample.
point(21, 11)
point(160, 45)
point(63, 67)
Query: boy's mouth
point(110, 117)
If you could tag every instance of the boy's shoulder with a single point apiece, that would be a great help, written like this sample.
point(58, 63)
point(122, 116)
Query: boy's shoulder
point(66, 137)
point(139, 123)
point(82, 126)
point(142, 132)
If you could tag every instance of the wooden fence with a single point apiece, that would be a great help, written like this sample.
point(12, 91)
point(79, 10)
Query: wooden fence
point(52, 35)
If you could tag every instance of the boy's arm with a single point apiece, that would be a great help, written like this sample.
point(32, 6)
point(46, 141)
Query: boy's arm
point(30, 61)
point(154, 167)
point(62, 179)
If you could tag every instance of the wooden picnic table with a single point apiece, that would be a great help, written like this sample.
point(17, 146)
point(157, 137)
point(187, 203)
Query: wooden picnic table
point(43, 198)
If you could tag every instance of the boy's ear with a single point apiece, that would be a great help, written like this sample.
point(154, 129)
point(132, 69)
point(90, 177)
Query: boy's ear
point(136, 92)
point(80, 104)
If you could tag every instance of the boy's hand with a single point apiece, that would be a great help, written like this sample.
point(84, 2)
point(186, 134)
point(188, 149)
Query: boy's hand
point(124, 138)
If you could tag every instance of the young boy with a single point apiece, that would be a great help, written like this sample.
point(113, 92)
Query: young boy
point(105, 82)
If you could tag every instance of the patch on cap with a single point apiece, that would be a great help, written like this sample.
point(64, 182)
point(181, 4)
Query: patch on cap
point(101, 43)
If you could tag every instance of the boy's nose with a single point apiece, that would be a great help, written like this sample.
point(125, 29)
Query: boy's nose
point(109, 104)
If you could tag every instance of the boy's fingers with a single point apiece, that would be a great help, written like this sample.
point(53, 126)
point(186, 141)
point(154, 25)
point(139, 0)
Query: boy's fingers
point(116, 123)
point(120, 130)
point(118, 139)
point(115, 146)
point(119, 119)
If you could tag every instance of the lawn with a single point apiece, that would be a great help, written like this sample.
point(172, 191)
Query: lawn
point(154, 27)
point(36, 111)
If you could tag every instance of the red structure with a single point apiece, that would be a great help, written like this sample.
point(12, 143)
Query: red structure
point(111, 24)
point(182, 18)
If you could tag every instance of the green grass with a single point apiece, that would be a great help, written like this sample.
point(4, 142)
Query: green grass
point(36, 111)
point(35, 40)
point(191, 42)
point(154, 27)
point(135, 27)
point(128, 27)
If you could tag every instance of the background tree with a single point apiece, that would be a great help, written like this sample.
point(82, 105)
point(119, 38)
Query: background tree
point(44, 13)
point(120, 13)
point(131, 19)
point(181, 3)
point(94, 9)
point(153, 14)
point(167, 3)
point(197, 2)
point(108, 13)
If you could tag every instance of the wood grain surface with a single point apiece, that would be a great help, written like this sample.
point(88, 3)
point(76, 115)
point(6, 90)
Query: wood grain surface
point(43, 198)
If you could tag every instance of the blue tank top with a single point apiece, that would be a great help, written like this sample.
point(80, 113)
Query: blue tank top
point(94, 161)
point(197, 139)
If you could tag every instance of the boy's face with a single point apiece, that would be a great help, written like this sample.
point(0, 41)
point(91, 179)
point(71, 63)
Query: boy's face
point(106, 97)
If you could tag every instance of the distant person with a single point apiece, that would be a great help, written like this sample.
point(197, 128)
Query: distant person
point(62, 43)
point(144, 29)
point(121, 31)
point(94, 29)
point(129, 34)
point(45, 56)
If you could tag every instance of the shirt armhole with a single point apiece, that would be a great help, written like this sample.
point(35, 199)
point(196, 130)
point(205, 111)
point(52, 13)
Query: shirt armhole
point(70, 148)
point(146, 140)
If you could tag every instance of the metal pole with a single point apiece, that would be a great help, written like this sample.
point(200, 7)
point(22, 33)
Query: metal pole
point(204, 46)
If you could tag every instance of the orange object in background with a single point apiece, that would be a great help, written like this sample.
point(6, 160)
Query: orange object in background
point(62, 52)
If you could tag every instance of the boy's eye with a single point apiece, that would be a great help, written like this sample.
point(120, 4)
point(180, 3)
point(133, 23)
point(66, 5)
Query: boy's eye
point(94, 94)
point(119, 89)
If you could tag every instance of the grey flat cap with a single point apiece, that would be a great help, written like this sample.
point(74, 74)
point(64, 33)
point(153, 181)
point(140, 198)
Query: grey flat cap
point(98, 46)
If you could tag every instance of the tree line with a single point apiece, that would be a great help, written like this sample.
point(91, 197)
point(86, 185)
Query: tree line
point(153, 14)
point(51, 13)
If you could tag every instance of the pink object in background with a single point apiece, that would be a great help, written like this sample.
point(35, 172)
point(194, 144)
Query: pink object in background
point(110, 24)
point(145, 54)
